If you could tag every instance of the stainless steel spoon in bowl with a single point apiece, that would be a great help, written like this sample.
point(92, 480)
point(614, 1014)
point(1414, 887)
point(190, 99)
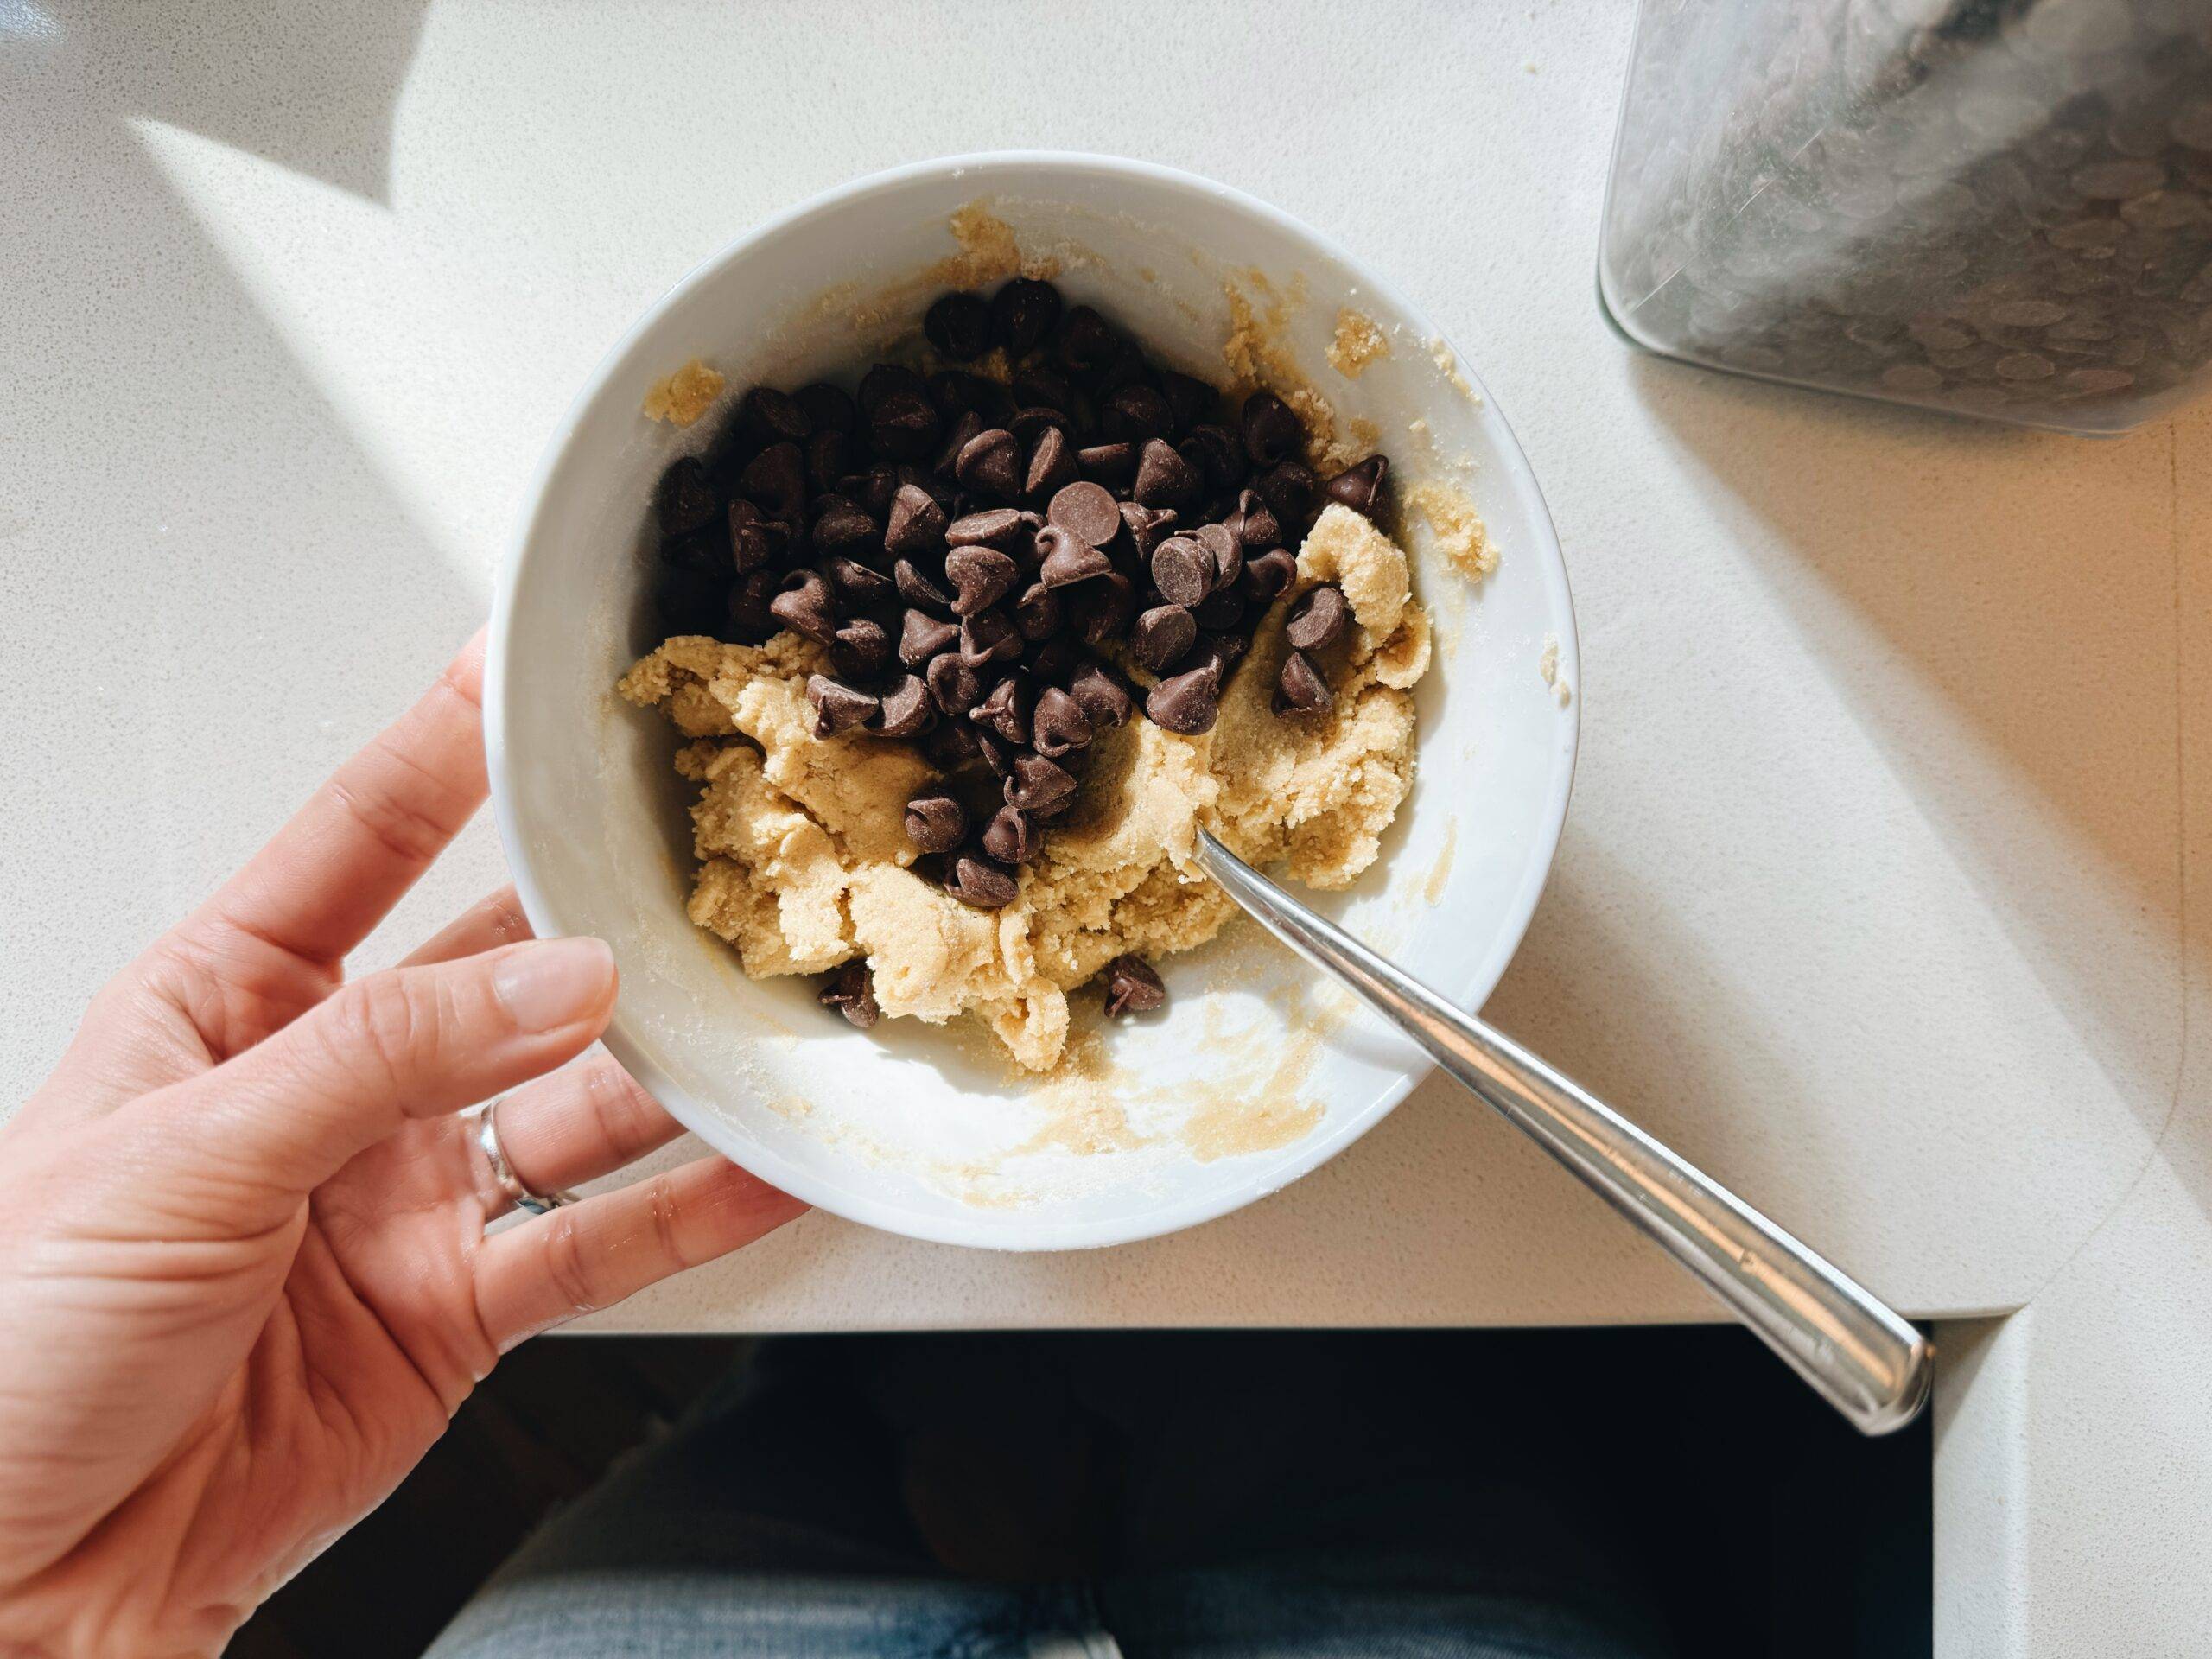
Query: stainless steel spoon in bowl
point(1858, 1354)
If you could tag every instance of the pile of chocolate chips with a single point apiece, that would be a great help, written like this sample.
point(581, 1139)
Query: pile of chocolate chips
point(982, 561)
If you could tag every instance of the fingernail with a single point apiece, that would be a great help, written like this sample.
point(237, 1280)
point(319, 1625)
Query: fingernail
point(550, 983)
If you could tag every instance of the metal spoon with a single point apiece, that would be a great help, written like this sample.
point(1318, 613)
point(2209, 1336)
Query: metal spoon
point(1858, 1354)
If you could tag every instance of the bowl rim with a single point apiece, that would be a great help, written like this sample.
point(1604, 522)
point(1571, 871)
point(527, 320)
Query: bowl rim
point(1006, 1230)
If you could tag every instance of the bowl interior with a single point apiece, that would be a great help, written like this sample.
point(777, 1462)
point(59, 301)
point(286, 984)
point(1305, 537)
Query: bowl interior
point(1256, 1072)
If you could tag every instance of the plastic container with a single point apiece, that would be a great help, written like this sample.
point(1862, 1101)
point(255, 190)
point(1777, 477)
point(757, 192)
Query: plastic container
point(1995, 208)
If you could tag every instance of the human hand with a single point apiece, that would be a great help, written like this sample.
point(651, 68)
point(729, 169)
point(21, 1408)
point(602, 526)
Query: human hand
point(244, 1279)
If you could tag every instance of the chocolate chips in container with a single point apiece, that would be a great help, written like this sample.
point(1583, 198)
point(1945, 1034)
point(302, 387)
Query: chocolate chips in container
point(986, 566)
point(1996, 210)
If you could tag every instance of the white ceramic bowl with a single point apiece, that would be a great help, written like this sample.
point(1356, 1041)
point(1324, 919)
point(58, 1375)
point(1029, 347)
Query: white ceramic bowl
point(1255, 1075)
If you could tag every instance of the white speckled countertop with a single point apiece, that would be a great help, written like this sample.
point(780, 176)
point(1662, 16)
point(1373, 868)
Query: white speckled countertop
point(1882, 894)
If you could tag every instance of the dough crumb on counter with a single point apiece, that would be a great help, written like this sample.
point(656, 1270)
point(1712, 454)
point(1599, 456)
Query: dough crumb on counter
point(804, 863)
point(684, 395)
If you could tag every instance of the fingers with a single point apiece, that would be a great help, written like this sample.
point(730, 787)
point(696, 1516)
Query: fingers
point(581, 1123)
point(411, 1042)
point(589, 1255)
point(330, 875)
point(486, 925)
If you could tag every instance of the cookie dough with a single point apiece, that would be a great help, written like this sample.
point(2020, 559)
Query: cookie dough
point(804, 862)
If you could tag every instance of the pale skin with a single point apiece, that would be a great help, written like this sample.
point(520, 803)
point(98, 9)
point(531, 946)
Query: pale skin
point(245, 1274)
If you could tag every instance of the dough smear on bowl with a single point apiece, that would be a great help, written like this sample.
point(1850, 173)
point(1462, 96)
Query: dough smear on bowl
point(804, 863)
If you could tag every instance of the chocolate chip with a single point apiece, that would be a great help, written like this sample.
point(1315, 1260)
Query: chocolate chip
point(1067, 558)
point(1031, 424)
point(827, 407)
point(1037, 783)
point(1191, 400)
point(856, 586)
point(1023, 313)
point(1005, 709)
point(840, 525)
point(1164, 478)
point(1101, 694)
point(918, 590)
point(952, 744)
point(885, 381)
point(989, 636)
point(775, 481)
point(862, 649)
point(980, 577)
point(1013, 836)
point(903, 425)
point(1267, 575)
point(990, 463)
point(999, 527)
point(1052, 464)
point(852, 993)
point(1127, 369)
point(917, 523)
point(755, 539)
point(766, 416)
point(1288, 488)
point(1255, 522)
point(1227, 552)
point(1160, 635)
point(685, 500)
point(1041, 388)
point(1133, 414)
point(1101, 607)
point(1086, 343)
point(1319, 619)
point(1058, 724)
point(957, 392)
point(838, 707)
point(976, 880)
point(1086, 511)
point(955, 686)
point(935, 820)
point(922, 636)
point(1050, 660)
point(959, 325)
point(829, 458)
point(997, 753)
point(704, 551)
point(873, 489)
point(1182, 570)
point(1132, 986)
point(1148, 526)
point(1225, 651)
point(1037, 613)
point(1111, 464)
point(1272, 432)
point(803, 606)
point(907, 709)
point(750, 612)
point(1300, 685)
point(1358, 486)
point(1217, 454)
point(1222, 609)
point(966, 426)
point(1188, 702)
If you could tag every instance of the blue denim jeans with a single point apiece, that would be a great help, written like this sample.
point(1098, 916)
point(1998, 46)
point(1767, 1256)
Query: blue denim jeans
point(996, 1497)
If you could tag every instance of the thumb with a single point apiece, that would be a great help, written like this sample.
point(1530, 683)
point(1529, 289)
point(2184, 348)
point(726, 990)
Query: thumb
point(288, 1114)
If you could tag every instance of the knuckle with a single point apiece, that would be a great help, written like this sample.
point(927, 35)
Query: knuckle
point(623, 1113)
point(384, 1020)
point(569, 1267)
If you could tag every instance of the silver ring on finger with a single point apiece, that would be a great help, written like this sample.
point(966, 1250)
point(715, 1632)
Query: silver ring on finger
point(503, 1173)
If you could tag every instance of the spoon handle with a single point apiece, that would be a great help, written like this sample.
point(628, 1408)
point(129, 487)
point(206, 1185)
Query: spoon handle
point(1857, 1353)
